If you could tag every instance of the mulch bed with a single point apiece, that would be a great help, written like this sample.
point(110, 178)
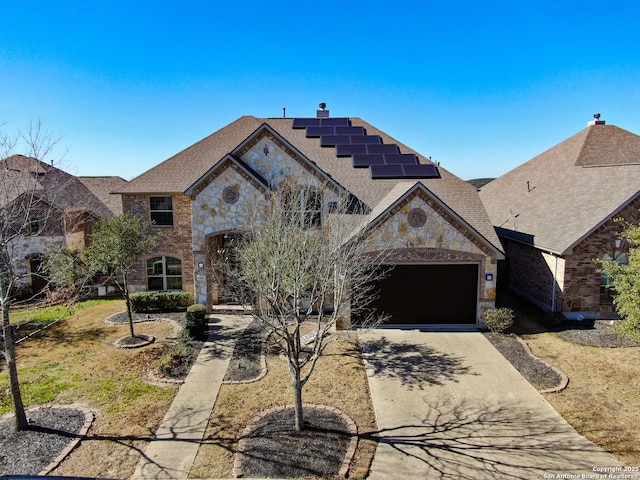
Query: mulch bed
point(122, 318)
point(246, 364)
point(598, 333)
point(29, 452)
point(274, 449)
point(537, 373)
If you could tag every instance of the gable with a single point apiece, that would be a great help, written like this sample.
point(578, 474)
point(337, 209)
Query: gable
point(418, 219)
point(275, 159)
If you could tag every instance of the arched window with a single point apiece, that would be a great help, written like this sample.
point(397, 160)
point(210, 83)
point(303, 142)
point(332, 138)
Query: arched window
point(606, 291)
point(164, 273)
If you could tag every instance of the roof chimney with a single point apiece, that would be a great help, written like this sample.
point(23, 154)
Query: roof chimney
point(597, 120)
point(322, 113)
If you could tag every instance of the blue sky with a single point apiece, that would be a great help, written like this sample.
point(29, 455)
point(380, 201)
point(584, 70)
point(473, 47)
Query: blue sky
point(479, 86)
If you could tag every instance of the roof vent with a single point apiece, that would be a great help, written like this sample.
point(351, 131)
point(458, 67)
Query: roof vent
point(597, 120)
point(322, 113)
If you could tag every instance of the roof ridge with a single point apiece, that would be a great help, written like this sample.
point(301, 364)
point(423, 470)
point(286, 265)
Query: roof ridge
point(584, 145)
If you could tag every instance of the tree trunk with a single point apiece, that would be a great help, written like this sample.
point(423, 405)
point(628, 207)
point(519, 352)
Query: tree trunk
point(127, 299)
point(297, 391)
point(12, 369)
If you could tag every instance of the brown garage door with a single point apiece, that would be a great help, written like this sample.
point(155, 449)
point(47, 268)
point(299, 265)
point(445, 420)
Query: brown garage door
point(429, 294)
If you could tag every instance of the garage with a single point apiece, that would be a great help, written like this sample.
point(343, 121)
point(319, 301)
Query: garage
point(429, 294)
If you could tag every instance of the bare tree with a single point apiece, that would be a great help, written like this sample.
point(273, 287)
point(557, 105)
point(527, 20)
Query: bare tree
point(28, 191)
point(116, 245)
point(304, 270)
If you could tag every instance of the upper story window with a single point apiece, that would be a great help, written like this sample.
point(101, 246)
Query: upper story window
point(305, 206)
point(164, 273)
point(161, 211)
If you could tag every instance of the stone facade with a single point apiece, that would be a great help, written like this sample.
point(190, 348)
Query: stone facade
point(418, 228)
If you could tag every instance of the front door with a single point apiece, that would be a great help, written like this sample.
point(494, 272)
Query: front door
point(222, 262)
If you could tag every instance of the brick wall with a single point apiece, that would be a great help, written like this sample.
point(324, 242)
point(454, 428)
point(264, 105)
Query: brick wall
point(582, 286)
point(530, 273)
point(175, 241)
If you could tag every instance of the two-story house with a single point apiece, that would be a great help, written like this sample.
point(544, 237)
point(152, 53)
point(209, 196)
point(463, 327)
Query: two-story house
point(438, 235)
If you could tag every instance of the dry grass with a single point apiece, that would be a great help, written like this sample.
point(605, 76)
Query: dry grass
point(602, 400)
point(339, 381)
point(77, 362)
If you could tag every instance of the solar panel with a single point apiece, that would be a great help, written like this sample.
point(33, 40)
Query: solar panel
point(348, 150)
point(333, 140)
point(319, 131)
point(367, 160)
point(306, 122)
point(386, 171)
point(420, 171)
point(383, 148)
point(401, 158)
point(366, 139)
point(335, 122)
point(350, 131)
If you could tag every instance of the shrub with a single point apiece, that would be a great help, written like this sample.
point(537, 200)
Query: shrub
point(172, 358)
point(498, 320)
point(144, 302)
point(196, 323)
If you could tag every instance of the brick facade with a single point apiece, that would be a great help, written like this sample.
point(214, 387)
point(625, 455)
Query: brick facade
point(532, 272)
point(175, 240)
point(582, 274)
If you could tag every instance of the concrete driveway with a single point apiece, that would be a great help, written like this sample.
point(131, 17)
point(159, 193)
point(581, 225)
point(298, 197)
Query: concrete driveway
point(449, 406)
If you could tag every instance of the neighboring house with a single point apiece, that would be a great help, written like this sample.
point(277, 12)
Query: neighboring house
point(556, 215)
point(442, 243)
point(63, 208)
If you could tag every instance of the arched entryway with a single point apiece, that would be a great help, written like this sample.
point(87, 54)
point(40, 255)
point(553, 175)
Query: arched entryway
point(37, 276)
point(221, 260)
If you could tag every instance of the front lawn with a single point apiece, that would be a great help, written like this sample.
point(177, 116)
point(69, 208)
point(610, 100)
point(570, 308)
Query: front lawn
point(602, 400)
point(74, 361)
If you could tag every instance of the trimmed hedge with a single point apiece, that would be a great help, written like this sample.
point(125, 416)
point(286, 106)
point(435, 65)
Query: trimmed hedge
point(196, 324)
point(146, 302)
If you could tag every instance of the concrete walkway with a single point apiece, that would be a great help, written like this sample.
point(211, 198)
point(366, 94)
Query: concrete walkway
point(449, 406)
point(171, 453)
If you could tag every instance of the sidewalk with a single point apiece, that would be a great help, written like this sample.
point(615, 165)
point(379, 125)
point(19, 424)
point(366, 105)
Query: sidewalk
point(171, 453)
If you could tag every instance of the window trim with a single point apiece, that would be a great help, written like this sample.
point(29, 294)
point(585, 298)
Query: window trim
point(607, 294)
point(152, 211)
point(302, 211)
point(164, 275)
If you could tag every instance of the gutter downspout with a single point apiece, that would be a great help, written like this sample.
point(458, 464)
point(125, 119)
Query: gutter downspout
point(553, 290)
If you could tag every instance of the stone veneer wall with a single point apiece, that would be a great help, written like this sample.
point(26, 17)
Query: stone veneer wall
point(441, 239)
point(213, 214)
point(582, 286)
point(176, 240)
point(23, 248)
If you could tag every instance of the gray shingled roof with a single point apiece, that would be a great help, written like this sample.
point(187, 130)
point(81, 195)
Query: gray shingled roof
point(19, 174)
point(103, 188)
point(561, 196)
point(178, 173)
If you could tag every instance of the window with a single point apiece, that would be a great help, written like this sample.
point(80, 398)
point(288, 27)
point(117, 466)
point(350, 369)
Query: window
point(304, 205)
point(161, 209)
point(34, 226)
point(164, 273)
point(606, 291)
